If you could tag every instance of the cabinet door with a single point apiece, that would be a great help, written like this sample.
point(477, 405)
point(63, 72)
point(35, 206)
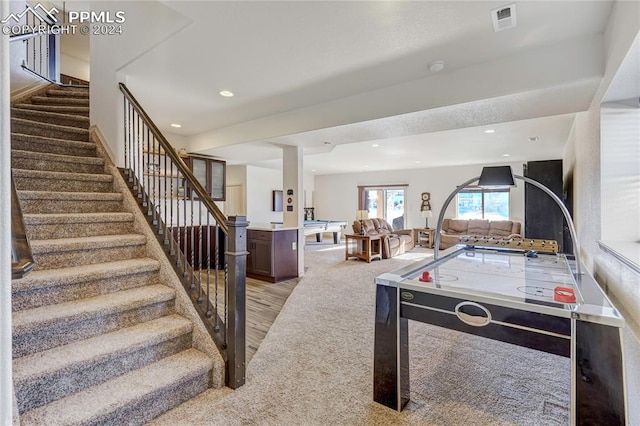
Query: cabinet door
point(211, 174)
point(217, 183)
point(199, 168)
point(260, 256)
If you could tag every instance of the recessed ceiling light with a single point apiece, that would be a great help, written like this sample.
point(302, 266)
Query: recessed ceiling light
point(489, 131)
point(418, 162)
point(365, 166)
point(176, 125)
point(533, 139)
point(327, 143)
point(506, 155)
point(375, 145)
point(313, 170)
point(226, 93)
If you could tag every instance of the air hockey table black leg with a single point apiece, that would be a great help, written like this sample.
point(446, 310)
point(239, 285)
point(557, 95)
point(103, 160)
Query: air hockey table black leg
point(391, 351)
point(599, 378)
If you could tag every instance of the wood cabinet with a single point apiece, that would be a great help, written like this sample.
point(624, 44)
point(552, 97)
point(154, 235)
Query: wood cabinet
point(273, 254)
point(543, 218)
point(211, 174)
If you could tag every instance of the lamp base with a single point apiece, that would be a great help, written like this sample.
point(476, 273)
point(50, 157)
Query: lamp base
point(426, 223)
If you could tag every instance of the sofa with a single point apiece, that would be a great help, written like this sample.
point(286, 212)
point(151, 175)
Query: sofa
point(453, 229)
point(394, 242)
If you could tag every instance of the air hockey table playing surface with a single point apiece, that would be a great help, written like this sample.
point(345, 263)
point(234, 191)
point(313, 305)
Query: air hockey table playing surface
point(505, 295)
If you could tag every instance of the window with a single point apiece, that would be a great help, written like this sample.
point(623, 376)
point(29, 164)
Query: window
point(479, 203)
point(385, 202)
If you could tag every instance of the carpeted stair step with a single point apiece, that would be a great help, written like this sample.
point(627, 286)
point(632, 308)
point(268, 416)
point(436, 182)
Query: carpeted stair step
point(70, 92)
point(55, 373)
point(133, 398)
point(66, 252)
point(52, 145)
point(53, 286)
point(69, 202)
point(35, 128)
point(70, 225)
point(76, 110)
point(35, 180)
point(55, 162)
point(60, 100)
point(46, 327)
point(51, 118)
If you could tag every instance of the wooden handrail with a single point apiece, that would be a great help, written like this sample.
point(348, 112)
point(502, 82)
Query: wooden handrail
point(194, 184)
point(22, 259)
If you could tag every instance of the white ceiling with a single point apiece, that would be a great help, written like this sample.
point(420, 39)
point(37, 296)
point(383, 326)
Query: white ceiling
point(349, 73)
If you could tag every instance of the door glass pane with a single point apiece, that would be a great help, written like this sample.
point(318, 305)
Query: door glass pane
point(496, 205)
point(199, 169)
point(470, 205)
point(217, 180)
point(395, 208)
point(374, 201)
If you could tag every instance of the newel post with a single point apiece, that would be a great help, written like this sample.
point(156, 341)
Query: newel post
point(236, 300)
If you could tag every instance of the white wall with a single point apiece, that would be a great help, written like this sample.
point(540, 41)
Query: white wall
point(74, 67)
point(336, 196)
point(20, 79)
point(260, 184)
point(6, 370)
point(147, 24)
point(592, 178)
point(309, 189)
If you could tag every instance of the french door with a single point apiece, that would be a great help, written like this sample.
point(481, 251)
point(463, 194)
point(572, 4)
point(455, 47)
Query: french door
point(385, 202)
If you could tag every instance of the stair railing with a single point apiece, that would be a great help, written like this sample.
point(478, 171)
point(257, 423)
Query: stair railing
point(207, 249)
point(42, 48)
point(21, 258)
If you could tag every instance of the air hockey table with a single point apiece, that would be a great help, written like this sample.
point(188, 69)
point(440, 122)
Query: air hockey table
point(530, 299)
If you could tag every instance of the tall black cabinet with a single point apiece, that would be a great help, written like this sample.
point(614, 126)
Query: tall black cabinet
point(543, 218)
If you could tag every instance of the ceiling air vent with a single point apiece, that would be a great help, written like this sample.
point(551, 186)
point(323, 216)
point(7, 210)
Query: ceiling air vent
point(504, 17)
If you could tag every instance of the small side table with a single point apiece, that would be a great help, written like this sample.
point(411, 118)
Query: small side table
point(425, 236)
point(365, 247)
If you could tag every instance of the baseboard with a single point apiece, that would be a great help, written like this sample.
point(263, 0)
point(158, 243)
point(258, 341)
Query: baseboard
point(102, 142)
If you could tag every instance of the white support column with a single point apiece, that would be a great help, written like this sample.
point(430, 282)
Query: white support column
point(293, 202)
point(6, 376)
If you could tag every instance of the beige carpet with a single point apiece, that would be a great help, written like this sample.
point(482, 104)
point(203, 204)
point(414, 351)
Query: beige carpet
point(315, 365)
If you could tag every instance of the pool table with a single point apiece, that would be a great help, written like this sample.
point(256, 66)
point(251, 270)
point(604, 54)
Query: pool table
point(318, 227)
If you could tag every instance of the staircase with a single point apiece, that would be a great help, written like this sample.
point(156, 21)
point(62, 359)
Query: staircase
point(96, 336)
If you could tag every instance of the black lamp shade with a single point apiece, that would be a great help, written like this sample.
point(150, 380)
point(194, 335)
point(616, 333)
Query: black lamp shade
point(498, 176)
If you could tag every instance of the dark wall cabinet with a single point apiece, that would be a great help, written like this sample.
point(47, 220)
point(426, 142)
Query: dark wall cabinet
point(273, 255)
point(543, 217)
point(211, 174)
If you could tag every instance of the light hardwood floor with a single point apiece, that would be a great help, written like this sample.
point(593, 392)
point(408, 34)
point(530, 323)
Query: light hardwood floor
point(264, 302)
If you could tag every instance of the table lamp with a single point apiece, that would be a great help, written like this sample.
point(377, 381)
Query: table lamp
point(426, 214)
point(360, 216)
point(502, 176)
